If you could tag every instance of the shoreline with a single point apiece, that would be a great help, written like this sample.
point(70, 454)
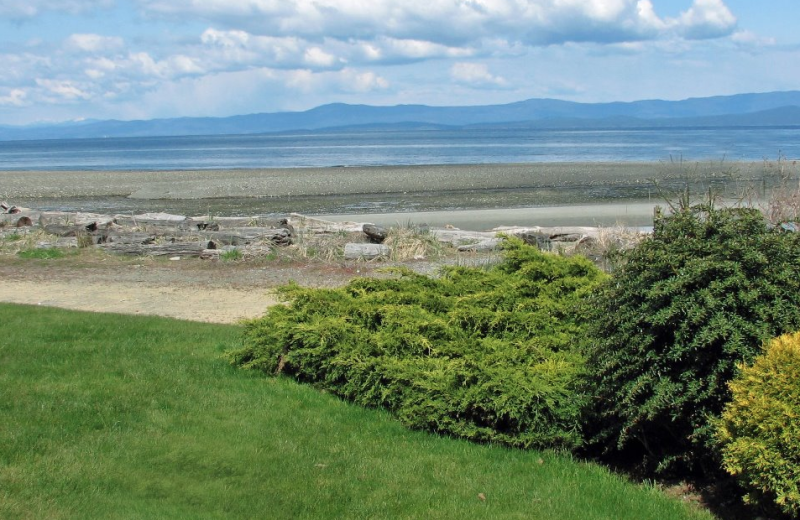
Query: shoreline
point(627, 214)
point(304, 182)
point(478, 196)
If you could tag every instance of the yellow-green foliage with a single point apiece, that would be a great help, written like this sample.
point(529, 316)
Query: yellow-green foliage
point(485, 354)
point(760, 428)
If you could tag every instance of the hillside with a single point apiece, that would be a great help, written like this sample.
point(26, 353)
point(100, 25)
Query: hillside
point(766, 109)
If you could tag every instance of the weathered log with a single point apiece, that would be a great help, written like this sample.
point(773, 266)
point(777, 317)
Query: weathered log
point(62, 230)
point(457, 237)
point(16, 220)
point(175, 249)
point(566, 237)
point(210, 254)
point(486, 245)
point(231, 222)
point(206, 226)
point(7, 219)
point(118, 237)
point(534, 238)
point(251, 235)
point(24, 221)
point(376, 234)
point(73, 219)
point(154, 220)
point(354, 251)
point(316, 225)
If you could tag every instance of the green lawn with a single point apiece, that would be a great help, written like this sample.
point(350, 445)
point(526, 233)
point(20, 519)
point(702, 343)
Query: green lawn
point(111, 417)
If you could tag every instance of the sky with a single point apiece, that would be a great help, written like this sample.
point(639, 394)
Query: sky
point(65, 60)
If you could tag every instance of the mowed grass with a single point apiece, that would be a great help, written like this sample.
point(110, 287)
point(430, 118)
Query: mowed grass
point(117, 417)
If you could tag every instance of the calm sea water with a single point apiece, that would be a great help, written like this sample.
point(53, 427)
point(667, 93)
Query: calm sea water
point(399, 148)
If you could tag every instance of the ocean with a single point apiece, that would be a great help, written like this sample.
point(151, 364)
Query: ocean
point(395, 148)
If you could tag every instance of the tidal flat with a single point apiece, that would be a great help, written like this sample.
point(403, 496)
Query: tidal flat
point(580, 193)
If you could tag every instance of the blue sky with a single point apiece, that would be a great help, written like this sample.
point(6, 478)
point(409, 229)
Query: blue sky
point(141, 59)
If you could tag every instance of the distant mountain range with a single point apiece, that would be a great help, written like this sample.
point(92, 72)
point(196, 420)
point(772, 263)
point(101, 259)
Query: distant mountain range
point(742, 110)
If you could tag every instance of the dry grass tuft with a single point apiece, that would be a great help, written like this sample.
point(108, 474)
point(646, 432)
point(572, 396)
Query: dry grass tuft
point(409, 242)
point(326, 247)
point(610, 241)
point(14, 240)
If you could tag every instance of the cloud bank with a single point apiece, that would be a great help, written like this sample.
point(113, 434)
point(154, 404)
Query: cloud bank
point(322, 46)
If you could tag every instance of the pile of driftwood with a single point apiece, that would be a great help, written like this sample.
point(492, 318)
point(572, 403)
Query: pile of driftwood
point(162, 234)
point(156, 234)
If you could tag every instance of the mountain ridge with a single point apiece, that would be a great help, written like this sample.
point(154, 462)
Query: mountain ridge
point(751, 109)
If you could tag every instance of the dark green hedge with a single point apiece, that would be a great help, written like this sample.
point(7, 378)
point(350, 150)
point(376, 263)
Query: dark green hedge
point(484, 354)
point(689, 303)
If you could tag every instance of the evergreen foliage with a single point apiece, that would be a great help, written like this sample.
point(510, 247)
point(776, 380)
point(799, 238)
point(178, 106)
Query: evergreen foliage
point(484, 354)
point(760, 428)
point(687, 304)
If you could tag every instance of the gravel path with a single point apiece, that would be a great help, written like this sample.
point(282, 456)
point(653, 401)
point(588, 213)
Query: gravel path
point(192, 289)
point(188, 289)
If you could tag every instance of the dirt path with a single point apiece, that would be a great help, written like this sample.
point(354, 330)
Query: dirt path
point(198, 304)
point(191, 290)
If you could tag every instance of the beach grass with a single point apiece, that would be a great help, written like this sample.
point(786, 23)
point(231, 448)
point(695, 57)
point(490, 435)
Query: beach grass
point(119, 417)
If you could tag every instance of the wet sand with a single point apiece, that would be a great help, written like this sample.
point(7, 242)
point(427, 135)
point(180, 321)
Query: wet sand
point(631, 214)
point(286, 182)
point(476, 196)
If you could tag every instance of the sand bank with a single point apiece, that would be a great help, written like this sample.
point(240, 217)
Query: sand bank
point(633, 214)
point(475, 196)
point(300, 182)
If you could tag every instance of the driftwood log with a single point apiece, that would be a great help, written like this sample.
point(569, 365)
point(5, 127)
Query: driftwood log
point(154, 220)
point(535, 238)
point(485, 245)
point(457, 237)
point(353, 251)
point(250, 235)
point(176, 249)
point(234, 222)
point(15, 220)
point(118, 237)
point(206, 226)
point(72, 219)
point(63, 230)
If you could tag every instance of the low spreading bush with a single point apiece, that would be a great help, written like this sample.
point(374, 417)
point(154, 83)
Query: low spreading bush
point(684, 307)
point(759, 432)
point(483, 354)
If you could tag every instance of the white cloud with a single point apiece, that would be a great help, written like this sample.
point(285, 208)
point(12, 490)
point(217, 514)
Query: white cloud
point(706, 19)
point(751, 39)
point(343, 81)
point(173, 66)
point(452, 22)
point(15, 97)
point(354, 81)
point(64, 89)
point(475, 74)
point(94, 43)
point(394, 50)
point(316, 57)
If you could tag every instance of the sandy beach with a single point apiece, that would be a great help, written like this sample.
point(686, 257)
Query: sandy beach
point(475, 196)
point(633, 214)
